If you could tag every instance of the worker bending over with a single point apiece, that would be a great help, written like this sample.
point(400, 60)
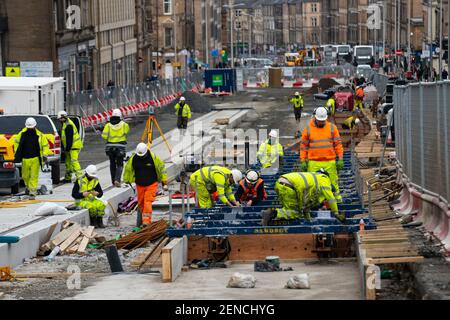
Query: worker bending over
point(331, 106)
point(351, 123)
point(359, 98)
point(146, 170)
point(321, 147)
point(115, 133)
point(298, 104)
point(31, 149)
point(271, 151)
point(183, 111)
point(209, 180)
point(251, 189)
point(299, 193)
point(87, 192)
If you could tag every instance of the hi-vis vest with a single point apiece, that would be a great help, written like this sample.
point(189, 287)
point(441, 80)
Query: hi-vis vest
point(116, 133)
point(297, 102)
point(87, 185)
point(360, 93)
point(268, 154)
point(77, 144)
point(215, 178)
point(251, 192)
point(186, 112)
point(321, 144)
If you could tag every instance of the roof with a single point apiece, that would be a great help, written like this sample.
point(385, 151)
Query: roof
point(17, 82)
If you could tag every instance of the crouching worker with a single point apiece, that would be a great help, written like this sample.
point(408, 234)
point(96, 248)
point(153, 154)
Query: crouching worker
point(209, 180)
point(351, 123)
point(251, 189)
point(87, 193)
point(146, 170)
point(299, 193)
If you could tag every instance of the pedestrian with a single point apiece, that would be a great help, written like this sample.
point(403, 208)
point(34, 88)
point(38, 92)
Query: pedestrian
point(110, 83)
point(271, 151)
point(321, 147)
point(89, 86)
point(115, 133)
point(72, 145)
point(315, 189)
point(183, 112)
point(350, 123)
point(298, 104)
point(209, 180)
point(146, 170)
point(87, 192)
point(435, 75)
point(251, 189)
point(31, 149)
point(444, 74)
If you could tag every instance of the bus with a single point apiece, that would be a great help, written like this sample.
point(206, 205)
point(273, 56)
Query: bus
point(364, 55)
point(344, 52)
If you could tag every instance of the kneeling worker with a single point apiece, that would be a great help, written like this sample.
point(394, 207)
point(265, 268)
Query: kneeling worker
point(299, 193)
point(251, 189)
point(87, 193)
point(350, 123)
point(209, 180)
point(145, 169)
point(271, 151)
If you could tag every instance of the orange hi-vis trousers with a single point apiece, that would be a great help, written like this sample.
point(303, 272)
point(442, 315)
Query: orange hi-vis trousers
point(146, 196)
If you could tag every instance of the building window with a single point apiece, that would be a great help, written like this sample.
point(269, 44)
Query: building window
point(167, 6)
point(168, 35)
point(314, 7)
point(314, 22)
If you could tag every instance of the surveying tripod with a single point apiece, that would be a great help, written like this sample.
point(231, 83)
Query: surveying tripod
point(147, 135)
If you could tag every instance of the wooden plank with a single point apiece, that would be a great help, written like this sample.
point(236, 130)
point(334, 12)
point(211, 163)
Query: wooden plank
point(66, 244)
point(387, 240)
point(414, 259)
point(63, 235)
point(172, 259)
point(371, 293)
point(166, 272)
point(87, 236)
point(380, 253)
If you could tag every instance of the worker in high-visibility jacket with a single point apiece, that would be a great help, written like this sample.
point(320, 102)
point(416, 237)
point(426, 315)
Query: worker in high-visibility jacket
point(271, 151)
point(183, 111)
point(321, 147)
point(115, 133)
point(87, 192)
point(298, 104)
point(331, 106)
point(299, 193)
point(147, 170)
point(251, 189)
point(72, 145)
point(31, 148)
point(359, 98)
point(209, 180)
point(350, 123)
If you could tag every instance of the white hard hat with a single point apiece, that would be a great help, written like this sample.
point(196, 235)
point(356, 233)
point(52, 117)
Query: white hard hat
point(62, 114)
point(30, 123)
point(237, 175)
point(91, 171)
point(252, 177)
point(297, 93)
point(321, 114)
point(357, 121)
point(182, 99)
point(141, 149)
point(273, 134)
point(117, 113)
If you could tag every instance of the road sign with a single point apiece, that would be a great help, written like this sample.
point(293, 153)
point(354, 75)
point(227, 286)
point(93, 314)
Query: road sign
point(36, 69)
point(398, 53)
point(12, 69)
point(217, 80)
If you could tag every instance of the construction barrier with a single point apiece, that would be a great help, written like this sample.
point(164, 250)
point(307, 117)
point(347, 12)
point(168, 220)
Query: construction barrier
point(422, 138)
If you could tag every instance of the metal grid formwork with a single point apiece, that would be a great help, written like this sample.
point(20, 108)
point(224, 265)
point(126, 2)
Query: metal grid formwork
point(96, 101)
point(422, 120)
point(379, 81)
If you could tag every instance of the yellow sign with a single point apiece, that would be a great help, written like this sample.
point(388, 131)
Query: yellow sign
point(12, 71)
point(176, 64)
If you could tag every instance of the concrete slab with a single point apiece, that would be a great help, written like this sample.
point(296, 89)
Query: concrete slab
point(328, 282)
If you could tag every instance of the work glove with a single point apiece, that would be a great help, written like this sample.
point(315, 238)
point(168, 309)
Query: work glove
point(304, 166)
point(340, 165)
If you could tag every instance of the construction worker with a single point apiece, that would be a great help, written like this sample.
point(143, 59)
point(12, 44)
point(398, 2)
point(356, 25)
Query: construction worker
point(321, 147)
point(251, 189)
point(209, 180)
point(146, 170)
point(350, 123)
point(359, 98)
point(87, 192)
point(299, 193)
point(31, 149)
point(297, 102)
point(183, 111)
point(115, 133)
point(270, 151)
point(331, 106)
point(72, 144)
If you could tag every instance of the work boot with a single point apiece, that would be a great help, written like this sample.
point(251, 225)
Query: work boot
point(117, 184)
point(100, 222)
point(94, 221)
point(267, 216)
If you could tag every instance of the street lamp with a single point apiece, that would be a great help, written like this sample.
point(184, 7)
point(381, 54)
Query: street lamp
point(249, 32)
point(230, 7)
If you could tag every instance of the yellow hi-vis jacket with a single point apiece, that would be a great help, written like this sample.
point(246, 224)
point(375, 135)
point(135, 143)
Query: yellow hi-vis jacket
point(116, 133)
point(312, 189)
point(268, 154)
point(77, 144)
point(216, 178)
point(297, 102)
point(44, 148)
point(350, 122)
point(129, 175)
point(186, 113)
point(331, 105)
